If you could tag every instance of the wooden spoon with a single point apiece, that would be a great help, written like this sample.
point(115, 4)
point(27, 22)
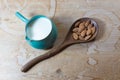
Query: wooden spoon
point(67, 42)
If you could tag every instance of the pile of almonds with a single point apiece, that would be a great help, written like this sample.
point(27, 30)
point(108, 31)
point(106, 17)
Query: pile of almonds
point(83, 30)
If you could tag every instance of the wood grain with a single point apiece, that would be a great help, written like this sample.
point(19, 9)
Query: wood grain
point(71, 63)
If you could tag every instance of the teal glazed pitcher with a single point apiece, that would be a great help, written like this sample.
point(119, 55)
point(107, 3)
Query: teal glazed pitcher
point(41, 32)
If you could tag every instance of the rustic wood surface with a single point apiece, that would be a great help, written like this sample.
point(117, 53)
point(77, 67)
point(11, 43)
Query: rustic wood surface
point(97, 60)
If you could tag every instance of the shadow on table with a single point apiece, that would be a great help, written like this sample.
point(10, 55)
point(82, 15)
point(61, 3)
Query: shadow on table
point(63, 27)
point(102, 28)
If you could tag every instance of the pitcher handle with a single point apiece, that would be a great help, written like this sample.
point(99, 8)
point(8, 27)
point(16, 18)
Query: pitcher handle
point(20, 16)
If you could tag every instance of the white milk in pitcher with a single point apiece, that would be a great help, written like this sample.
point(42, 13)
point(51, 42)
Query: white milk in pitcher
point(39, 29)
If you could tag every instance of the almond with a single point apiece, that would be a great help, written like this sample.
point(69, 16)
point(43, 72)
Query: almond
point(81, 27)
point(78, 33)
point(89, 26)
point(88, 37)
point(93, 30)
point(83, 33)
point(83, 30)
point(75, 29)
point(87, 23)
point(75, 36)
point(77, 24)
point(89, 31)
point(81, 38)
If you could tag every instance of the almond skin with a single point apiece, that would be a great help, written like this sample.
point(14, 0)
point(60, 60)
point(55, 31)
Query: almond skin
point(83, 33)
point(75, 29)
point(87, 23)
point(83, 30)
point(81, 27)
point(89, 26)
point(77, 24)
point(81, 38)
point(93, 30)
point(78, 33)
point(88, 37)
point(89, 31)
point(75, 36)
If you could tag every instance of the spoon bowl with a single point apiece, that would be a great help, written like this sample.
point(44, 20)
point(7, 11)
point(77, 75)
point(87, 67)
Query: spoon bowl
point(67, 42)
point(69, 34)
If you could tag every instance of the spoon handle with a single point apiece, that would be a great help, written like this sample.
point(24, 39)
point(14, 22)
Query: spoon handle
point(45, 56)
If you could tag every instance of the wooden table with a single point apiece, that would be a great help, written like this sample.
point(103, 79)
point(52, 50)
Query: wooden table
point(97, 60)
